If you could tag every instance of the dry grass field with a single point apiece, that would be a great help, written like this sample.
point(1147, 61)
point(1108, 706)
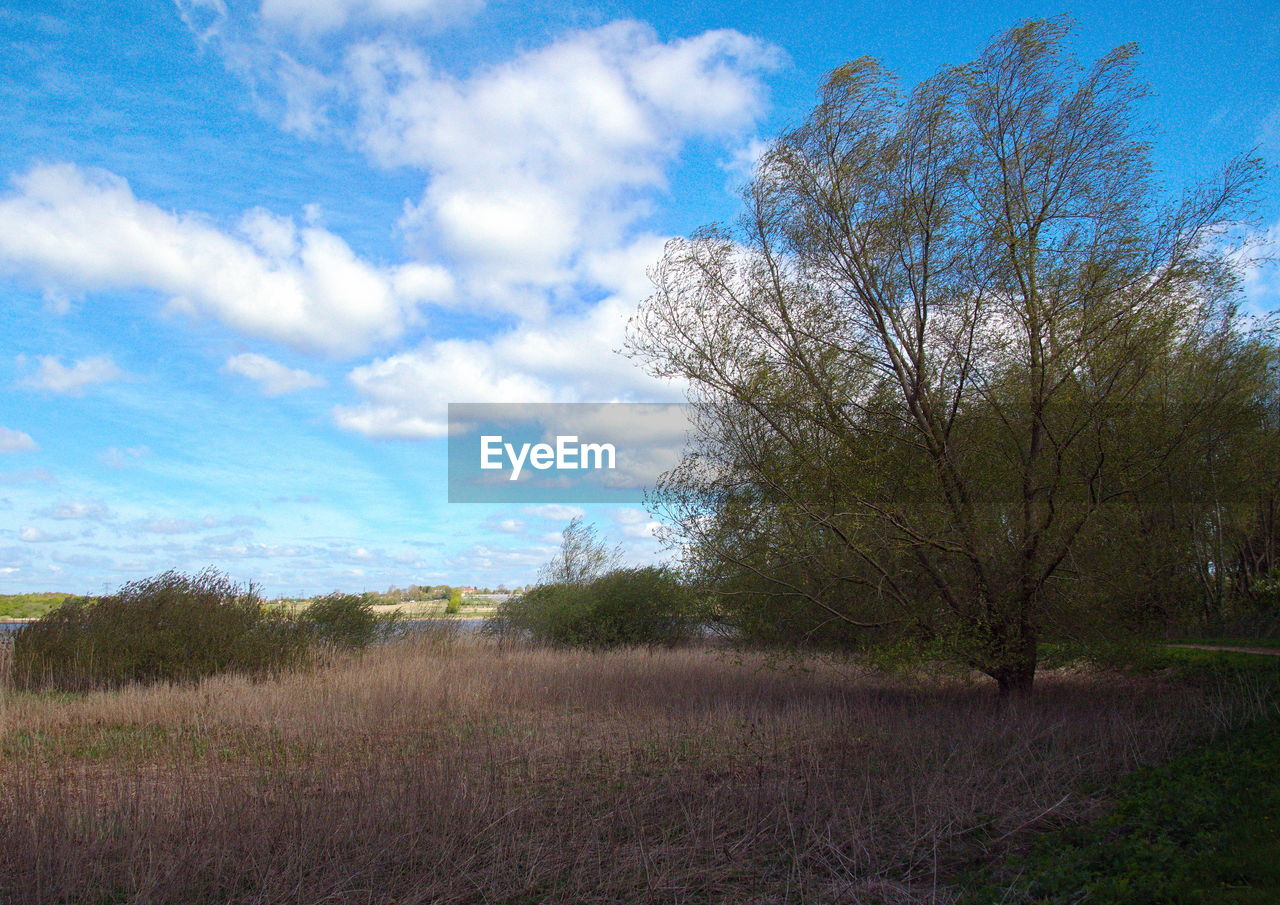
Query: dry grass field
point(443, 770)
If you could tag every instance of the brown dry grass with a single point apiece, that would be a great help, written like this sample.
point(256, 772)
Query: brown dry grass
point(437, 772)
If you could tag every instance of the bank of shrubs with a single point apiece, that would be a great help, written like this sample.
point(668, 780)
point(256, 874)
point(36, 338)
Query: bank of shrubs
point(175, 627)
point(622, 607)
point(344, 621)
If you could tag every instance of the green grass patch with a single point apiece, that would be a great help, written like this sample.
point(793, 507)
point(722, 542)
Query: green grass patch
point(29, 606)
point(1194, 665)
point(1203, 829)
point(1261, 643)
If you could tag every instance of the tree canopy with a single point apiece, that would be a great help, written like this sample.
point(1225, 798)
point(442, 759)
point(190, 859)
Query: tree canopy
point(959, 342)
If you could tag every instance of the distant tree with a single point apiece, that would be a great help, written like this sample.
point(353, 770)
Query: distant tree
point(582, 557)
point(959, 332)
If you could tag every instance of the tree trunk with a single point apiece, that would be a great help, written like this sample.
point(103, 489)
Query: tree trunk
point(1016, 682)
point(1016, 675)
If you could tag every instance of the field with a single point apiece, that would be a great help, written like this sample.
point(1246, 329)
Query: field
point(478, 607)
point(28, 606)
point(472, 608)
point(446, 769)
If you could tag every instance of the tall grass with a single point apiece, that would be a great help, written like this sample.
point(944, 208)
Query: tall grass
point(446, 770)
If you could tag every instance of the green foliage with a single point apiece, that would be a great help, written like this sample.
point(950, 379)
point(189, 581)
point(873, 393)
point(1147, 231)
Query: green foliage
point(1204, 828)
point(623, 607)
point(28, 606)
point(454, 606)
point(987, 398)
point(1268, 590)
point(1257, 614)
point(170, 627)
point(344, 621)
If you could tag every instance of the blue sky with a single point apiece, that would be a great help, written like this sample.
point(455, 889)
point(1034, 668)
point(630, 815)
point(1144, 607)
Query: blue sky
point(248, 251)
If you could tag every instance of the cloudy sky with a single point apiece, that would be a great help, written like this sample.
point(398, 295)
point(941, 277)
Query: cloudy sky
point(249, 250)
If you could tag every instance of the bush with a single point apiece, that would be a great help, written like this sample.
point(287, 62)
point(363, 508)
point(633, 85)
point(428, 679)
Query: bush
point(454, 606)
point(344, 621)
point(171, 627)
point(622, 607)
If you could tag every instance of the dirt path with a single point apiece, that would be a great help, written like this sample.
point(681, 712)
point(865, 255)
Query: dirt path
point(1269, 652)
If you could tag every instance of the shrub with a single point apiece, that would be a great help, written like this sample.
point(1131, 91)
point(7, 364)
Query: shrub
point(344, 620)
point(622, 607)
point(170, 627)
point(454, 606)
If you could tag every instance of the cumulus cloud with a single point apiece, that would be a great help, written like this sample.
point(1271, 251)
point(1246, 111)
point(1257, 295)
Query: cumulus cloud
point(568, 359)
point(538, 172)
point(273, 378)
point(32, 535)
point(16, 441)
point(549, 156)
point(555, 512)
point(84, 230)
point(636, 524)
point(54, 377)
point(532, 164)
point(505, 525)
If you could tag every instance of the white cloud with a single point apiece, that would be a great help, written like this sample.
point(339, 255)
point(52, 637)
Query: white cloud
point(568, 359)
point(533, 164)
point(53, 376)
point(93, 510)
point(312, 17)
point(556, 512)
point(273, 378)
point(539, 171)
point(487, 562)
point(32, 535)
point(85, 230)
point(16, 441)
point(550, 156)
point(630, 516)
point(636, 524)
point(1258, 256)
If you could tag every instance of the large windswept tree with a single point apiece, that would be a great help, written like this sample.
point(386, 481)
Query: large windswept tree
point(955, 327)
